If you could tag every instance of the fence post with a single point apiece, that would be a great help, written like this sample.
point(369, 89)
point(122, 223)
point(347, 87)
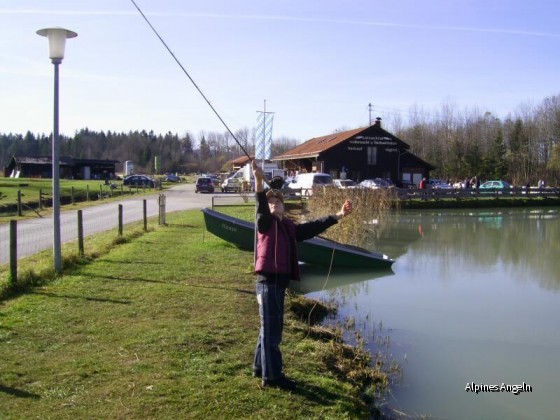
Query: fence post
point(72, 195)
point(161, 203)
point(145, 213)
point(13, 251)
point(101, 191)
point(87, 192)
point(19, 203)
point(40, 199)
point(80, 233)
point(120, 219)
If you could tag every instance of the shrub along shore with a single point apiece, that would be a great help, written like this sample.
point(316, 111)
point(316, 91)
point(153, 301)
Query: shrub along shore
point(163, 325)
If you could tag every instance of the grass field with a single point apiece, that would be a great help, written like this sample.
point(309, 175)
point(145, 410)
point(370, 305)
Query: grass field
point(163, 325)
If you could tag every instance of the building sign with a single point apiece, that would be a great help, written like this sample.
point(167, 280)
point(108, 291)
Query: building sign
point(355, 149)
point(374, 140)
point(357, 143)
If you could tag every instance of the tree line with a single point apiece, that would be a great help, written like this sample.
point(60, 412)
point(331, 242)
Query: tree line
point(207, 152)
point(522, 148)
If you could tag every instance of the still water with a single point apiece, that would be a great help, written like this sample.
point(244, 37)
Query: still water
point(474, 296)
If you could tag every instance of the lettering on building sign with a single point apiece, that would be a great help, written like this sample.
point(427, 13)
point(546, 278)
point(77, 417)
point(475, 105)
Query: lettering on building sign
point(355, 149)
point(391, 150)
point(385, 143)
point(376, 141)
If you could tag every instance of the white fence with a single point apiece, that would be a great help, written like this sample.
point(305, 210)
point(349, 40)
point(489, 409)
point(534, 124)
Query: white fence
point(464, 193)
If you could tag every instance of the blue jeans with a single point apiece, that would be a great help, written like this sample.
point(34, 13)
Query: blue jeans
point(268, 358)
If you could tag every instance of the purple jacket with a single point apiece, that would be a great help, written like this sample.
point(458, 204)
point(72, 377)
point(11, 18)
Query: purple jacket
point(277, 256)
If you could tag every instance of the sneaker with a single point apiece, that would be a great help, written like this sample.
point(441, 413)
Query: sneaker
point(281, 382)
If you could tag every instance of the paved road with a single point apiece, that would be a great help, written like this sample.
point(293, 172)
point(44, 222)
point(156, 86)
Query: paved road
point(35, 235)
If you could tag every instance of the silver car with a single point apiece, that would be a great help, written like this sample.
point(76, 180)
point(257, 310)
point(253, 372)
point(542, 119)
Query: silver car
point(231, 185)
point(344, 183)
point(375, 183)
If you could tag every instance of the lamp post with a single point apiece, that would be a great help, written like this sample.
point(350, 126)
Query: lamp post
point(57, 41)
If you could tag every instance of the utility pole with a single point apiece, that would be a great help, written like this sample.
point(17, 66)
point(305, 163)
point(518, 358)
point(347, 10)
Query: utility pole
point(369, 106)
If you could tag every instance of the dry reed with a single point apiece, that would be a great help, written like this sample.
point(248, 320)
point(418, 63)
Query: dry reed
point(370, 210)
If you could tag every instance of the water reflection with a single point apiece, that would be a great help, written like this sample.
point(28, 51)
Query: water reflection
point(473, 296)
point(525, 240)
point(316, 278)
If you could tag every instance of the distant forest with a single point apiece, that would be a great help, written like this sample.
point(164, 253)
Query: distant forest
point(182, 154)
point(524, 147)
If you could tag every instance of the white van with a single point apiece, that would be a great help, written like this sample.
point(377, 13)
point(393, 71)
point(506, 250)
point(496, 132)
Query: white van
point(309, 181)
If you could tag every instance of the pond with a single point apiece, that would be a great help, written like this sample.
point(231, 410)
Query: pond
point(473, 299)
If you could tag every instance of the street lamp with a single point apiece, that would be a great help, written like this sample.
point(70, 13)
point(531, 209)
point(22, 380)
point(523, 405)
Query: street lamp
point(57, 41)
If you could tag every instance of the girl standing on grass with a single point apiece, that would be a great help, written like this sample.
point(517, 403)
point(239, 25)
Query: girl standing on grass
point(276, 264)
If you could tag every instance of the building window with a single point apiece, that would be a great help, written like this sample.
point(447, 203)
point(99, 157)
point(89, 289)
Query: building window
point(372, 155)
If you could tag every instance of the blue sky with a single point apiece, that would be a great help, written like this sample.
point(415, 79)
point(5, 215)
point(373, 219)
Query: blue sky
point(317, 63)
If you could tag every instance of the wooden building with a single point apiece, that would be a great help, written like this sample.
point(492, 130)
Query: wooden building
point(70, 168)
point(362, 153)
point(240, 162)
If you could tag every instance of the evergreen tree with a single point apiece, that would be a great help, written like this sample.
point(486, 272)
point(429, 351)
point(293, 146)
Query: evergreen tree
point(494, 163)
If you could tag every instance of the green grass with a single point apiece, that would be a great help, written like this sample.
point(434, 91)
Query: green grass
point(163, 326)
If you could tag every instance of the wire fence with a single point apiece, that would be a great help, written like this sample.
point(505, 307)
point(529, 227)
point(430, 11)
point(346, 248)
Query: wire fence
point(19, 239)
point(470, 193)
point(28, 201)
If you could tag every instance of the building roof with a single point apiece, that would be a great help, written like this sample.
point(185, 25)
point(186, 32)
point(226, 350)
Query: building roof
point(312, 148)
point(42, 160)
point(243, 160)
point(64, 160)
point(240, 161)
point(412, 158)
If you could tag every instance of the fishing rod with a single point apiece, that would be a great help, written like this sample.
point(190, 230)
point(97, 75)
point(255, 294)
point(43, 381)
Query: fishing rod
point(275, 183)
point(191, 79)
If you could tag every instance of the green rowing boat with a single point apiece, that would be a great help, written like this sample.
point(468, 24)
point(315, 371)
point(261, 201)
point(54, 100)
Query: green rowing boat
point(318, 251)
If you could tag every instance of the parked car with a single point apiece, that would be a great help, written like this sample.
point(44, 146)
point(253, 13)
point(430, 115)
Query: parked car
point(171, 178)
point(495, 184)
point(438, 183)
point(231, 185)
point(215, 180)
point(204, 183)
point(139, 181)
point(344, 183)
point(374, 183)
point(308, 181)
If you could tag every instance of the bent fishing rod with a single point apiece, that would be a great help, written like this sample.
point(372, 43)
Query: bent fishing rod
point(274, 183)
point(191, 79)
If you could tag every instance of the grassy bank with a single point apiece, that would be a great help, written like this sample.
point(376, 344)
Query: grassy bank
point(164, 326)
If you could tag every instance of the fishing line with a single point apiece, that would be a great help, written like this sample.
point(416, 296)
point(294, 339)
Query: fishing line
point(320, 295)
point(191, 79)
